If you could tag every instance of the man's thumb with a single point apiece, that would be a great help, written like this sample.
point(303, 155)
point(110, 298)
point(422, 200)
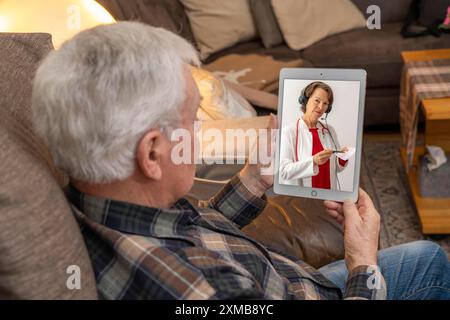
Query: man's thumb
point(350, 210)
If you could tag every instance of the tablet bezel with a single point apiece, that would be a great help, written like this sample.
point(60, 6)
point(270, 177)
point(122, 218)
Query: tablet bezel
point(322, 75)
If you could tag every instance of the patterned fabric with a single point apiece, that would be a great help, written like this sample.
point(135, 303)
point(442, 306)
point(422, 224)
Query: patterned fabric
point(186, 253)
point(420, 80)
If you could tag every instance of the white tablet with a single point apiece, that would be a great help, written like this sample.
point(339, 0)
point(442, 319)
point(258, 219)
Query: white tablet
point(320, 116)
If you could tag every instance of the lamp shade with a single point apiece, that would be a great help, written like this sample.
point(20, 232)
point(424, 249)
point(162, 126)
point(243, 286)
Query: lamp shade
point(61, 18)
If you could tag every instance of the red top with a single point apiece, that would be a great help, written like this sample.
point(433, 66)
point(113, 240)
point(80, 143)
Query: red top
point(322, 179)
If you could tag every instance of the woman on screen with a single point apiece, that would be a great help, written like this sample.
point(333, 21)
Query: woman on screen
point(308, 151)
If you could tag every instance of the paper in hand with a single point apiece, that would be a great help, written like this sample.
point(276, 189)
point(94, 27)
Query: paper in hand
point(347, 155)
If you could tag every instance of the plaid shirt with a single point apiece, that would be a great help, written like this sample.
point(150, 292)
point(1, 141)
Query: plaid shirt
point(184, 252)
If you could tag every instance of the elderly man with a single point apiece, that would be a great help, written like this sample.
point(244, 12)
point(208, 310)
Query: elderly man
point(105, 104)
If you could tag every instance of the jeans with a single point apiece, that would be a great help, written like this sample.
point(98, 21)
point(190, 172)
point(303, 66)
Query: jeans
point(413, 271)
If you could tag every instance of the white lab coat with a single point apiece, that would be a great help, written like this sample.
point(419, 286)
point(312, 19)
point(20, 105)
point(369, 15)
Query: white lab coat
point(300, 173)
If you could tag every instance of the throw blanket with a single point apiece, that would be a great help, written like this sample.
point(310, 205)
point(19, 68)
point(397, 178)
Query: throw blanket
point(252, 70)
point(420, 80)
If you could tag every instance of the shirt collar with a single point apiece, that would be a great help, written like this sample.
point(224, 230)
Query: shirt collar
point(304, 126)
point(132, 218)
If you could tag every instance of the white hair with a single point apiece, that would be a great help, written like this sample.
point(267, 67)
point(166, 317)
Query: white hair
point(95, 97)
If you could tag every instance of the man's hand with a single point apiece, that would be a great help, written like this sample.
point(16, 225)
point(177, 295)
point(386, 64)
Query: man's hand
point(361, 229)
point(323, 156)
point(258, 177)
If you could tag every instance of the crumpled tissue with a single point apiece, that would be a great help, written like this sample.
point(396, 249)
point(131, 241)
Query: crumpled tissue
point(436, 157)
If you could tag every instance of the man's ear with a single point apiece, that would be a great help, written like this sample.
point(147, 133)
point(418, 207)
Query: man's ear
point(148, 154)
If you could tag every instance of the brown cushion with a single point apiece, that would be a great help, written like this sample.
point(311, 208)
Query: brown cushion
point(266, 23)
point(219, 24)
point(254, 71)
point(306, 22)
point(167, 14)
point(39, 237)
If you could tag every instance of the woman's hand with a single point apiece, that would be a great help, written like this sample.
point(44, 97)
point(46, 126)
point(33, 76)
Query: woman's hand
point(322, 157)
point(344, 149)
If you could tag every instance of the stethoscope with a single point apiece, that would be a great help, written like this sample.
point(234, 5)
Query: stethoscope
point(324, 129)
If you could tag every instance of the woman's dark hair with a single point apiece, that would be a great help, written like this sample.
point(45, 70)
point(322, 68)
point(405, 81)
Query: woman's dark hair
point(309, 90)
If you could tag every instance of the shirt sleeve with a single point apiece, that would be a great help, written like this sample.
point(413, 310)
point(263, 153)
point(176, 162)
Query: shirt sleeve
point(236, 203)
point(365, 283)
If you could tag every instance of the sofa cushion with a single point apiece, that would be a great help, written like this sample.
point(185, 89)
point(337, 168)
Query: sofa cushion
point(266, 23)
point(391, 11)
point(281, 52)
point(376, 51)
point(306, 22)
point(382, 106)
point(219, 24)
point(39, 237)
point(255, 71)
point(167, 14)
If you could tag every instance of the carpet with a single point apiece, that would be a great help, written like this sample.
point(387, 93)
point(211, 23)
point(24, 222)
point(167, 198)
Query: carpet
point(385, 180)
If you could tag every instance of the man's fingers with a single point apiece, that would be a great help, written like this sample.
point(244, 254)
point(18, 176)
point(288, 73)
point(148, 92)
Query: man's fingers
point(336, 215)
point(273, 122)
point(334, 209)
point(340, 219)
point(350, 210)
point(332, 205)
point(364, 199)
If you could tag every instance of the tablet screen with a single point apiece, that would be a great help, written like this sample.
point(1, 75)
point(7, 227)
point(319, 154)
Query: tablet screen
point(319, 134)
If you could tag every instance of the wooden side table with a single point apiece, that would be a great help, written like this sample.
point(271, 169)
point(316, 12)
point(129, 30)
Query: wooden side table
point(434, 213)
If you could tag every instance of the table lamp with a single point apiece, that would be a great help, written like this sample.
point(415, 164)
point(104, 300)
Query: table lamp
point(61, 18)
